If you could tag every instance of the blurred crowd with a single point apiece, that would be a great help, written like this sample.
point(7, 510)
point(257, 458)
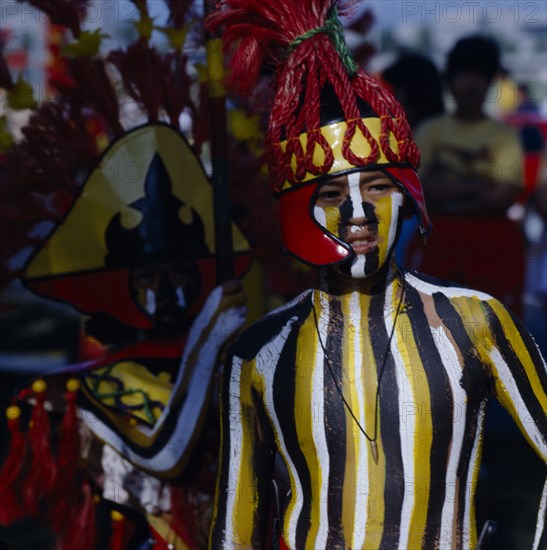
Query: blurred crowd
point(484, 173)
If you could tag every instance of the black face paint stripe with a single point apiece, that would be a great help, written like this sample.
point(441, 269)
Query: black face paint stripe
point(346, 211)
point(370, 215)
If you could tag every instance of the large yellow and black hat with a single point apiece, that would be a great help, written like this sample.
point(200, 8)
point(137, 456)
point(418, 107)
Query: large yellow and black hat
point(148, 199)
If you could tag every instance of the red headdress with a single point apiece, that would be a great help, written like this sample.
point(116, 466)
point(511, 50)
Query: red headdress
point(328, 116)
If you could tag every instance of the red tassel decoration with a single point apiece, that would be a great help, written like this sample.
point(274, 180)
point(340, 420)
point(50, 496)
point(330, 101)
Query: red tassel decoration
point(67, 489)
point(184, 515)
point(10, 507)
point(42, 474)
point(117, 539)
point(80, 531)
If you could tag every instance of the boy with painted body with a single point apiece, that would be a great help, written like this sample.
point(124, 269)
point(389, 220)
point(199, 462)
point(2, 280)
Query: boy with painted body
point(371, 387)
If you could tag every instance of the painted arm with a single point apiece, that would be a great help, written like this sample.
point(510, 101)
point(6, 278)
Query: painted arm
point(520, 385)
point(246, 463)
point(219, 320)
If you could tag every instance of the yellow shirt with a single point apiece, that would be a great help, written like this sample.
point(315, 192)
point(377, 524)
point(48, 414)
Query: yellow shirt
point(480, 150)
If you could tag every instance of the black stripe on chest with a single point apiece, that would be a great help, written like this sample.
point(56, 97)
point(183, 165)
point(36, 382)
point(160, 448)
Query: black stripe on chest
point(335, 423)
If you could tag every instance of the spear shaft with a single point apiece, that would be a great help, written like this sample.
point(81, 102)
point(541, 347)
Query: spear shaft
point(219, 151)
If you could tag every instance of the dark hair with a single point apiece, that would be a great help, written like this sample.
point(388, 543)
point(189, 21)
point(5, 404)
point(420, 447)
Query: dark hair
point(420, 81)
point(479, 54)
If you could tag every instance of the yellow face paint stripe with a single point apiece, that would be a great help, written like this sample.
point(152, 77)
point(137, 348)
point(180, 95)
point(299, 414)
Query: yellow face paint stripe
point(332, 216)
point(382, 209)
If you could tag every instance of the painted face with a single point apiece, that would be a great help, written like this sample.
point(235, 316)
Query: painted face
point(364, 210)
point(165, 290)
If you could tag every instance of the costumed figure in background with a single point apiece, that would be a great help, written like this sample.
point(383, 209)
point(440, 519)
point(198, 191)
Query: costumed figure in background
point(472, 171)
point(370, 387)
point(120, 451)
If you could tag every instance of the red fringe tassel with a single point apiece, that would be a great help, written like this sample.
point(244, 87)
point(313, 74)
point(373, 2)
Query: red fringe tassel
point(67, 489)
point(42, 473)
point(80, 531)
point(10, 507)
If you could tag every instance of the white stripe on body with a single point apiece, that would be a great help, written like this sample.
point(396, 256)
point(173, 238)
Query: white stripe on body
point(407, 429)
point(362, 484)
point(235, 452)
point(267, 357)
point(448, 291)
point(505, 375)
point(471, 477)
point(541, 518)
point(453, 370)
point(318, 428)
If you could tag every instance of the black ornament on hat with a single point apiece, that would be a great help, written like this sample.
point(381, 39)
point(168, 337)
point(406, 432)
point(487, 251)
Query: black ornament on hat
point(161, 235)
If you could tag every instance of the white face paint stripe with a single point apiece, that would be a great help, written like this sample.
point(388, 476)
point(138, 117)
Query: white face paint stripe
point(472, 475)
point(355, 194)
point(267, 357)
point(454, 372)
point(320, 216)
point(318, 428)
point(362, 484)
point(358, 266)
point(150, 302)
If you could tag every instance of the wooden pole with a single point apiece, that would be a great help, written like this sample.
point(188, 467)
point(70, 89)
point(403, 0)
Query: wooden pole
point(219, 154)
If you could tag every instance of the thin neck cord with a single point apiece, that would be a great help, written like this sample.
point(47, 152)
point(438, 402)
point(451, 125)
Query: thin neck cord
point(382, 368)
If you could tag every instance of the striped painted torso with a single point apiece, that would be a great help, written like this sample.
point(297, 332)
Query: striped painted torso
point(451, 347)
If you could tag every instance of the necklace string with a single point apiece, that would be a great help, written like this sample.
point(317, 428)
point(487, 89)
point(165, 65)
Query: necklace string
point(387, 352)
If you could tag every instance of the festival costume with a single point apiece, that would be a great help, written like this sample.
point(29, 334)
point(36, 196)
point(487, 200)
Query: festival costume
point(437, 378)
point(465, 151)
point(372, 401)
point(121, 450)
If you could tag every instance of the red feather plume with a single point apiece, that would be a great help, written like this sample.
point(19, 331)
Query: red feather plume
point(264, 31)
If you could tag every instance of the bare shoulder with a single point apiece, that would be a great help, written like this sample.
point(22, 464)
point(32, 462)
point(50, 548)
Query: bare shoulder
point(445, 301)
